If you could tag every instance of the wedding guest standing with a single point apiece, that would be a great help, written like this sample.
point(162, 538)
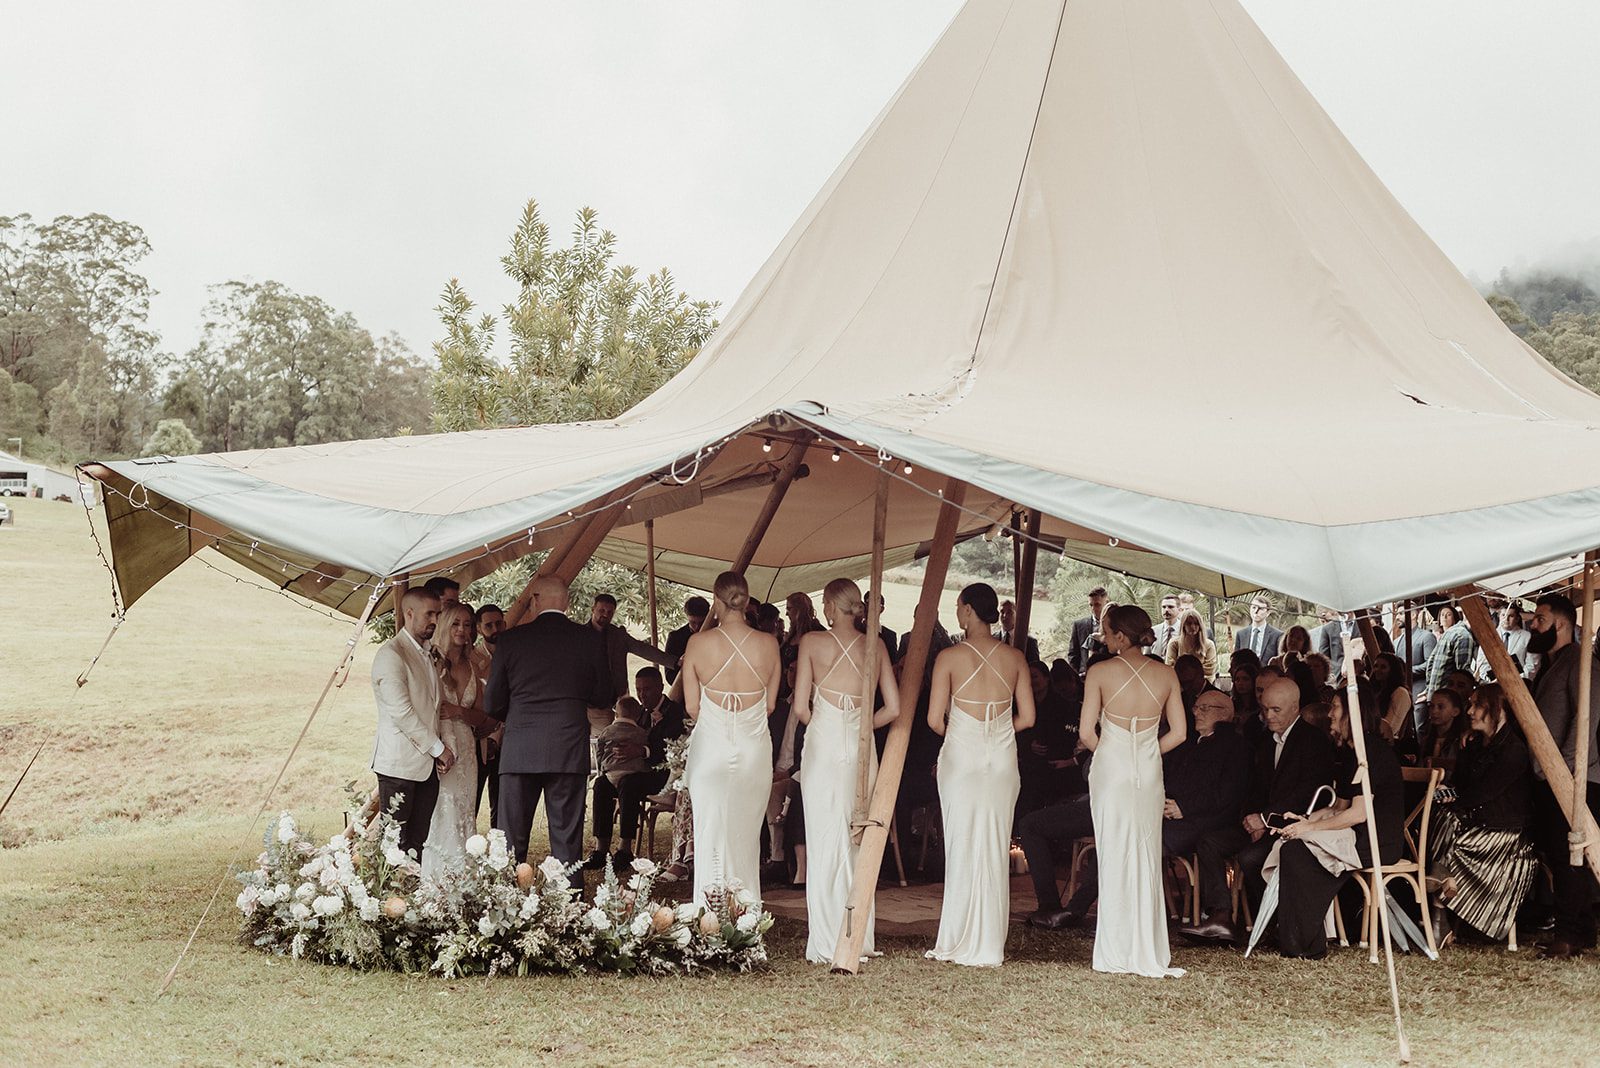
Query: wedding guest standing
point(455, 813)
point(695, 611)
point(1260, 637)
point(547, 674)
point(829, 684)
point(730, 683)
point(1121, 726)
point(489, 621)
point(408, 754)
point(980, 697)
point(1191, 640)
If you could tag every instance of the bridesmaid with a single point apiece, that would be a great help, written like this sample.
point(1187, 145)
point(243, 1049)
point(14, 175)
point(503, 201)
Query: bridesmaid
point(730, 680)
point(980, 697)
point(831, 674)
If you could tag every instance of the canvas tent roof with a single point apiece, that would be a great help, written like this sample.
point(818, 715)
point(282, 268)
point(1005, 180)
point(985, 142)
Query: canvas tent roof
point(1078, 224)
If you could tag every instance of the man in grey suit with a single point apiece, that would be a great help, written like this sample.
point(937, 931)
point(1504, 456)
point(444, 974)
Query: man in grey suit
point(1167, 629)
point(1329, 639)
point(1084, 645)
point(545, 677)
point(1260, 637)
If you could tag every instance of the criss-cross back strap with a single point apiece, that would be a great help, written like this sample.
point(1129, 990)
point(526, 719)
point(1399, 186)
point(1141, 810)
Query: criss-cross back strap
point(1137, 673)
point(739, 654)
point(847, 700)
point(988, 706)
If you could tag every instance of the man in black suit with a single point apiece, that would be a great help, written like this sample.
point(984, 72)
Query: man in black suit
point(1260, 637)
point(1008, 632)
point(666, 721)
point(1084, 644)
point(1329, 639)
point(1292, 762)
point(545, 677)
point(695, 610)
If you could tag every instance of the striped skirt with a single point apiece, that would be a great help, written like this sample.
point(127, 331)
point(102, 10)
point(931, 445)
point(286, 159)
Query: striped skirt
point(1493, 871)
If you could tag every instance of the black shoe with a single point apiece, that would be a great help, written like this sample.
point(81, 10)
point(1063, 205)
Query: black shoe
point(1213, 929)
point(622, 862)
point(596, 861)
point(1055, 919)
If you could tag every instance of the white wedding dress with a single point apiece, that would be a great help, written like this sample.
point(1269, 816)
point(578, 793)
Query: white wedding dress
point(978, 787)
point(455, 817)
point(1127, 796)
point(828, 790)
point(729, 774)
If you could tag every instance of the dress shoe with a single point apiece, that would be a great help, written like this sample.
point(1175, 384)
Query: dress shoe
point(1055, 919)
point(622, 862)
point(596, 861)
point(1213, 929)
point(1560, 950)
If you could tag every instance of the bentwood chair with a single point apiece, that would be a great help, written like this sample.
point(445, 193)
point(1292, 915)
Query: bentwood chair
point(1374, 882)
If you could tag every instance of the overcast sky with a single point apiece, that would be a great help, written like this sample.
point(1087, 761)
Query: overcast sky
point(367, 152)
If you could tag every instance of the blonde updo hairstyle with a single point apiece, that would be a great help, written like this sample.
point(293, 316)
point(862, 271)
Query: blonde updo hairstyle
point(732, 590)
point(843, 595)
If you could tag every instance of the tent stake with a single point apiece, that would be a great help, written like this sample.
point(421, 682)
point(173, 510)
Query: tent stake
point(1580, 757)
point(1534, 728)
point(869, 678)
point(863, 887)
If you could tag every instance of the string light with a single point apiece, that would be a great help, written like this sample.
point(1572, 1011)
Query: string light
point(836, 454)
point(766, 444)
point(907, 469)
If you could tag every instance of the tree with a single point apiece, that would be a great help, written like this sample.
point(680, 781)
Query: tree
point(275, 368)
point(1569, 337)
point(172, 437)
point(585, 338)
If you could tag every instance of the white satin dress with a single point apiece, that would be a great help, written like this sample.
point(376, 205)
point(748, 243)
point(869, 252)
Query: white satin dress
point(455, 814)
point(729, 775)
point(978, 787)
point(828, 789)
point(1127, 796)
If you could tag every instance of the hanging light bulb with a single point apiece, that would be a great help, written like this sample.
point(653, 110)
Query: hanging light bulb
point(836, 454)
point(907, 469)
point(766, 445)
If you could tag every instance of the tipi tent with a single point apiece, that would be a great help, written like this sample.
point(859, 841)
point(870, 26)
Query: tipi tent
point(1075, 218)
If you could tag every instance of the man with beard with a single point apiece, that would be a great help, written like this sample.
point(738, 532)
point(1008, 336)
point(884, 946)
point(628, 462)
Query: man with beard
point(408, 755)
point(1553, 636)
point(488, 622)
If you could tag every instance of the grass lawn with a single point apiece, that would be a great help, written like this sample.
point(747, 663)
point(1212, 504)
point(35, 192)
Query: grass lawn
point(144, 793)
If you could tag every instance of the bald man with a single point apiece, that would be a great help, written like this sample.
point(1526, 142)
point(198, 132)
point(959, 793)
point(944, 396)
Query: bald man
point(545, 676)
point(1292, 760)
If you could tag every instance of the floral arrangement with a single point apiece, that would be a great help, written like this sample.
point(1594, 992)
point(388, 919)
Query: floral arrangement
point(359, 901)
point(676, 759)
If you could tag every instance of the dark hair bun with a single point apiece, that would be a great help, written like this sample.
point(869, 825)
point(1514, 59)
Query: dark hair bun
point(1130, 621)
point(981, 598)
point(1147, 638)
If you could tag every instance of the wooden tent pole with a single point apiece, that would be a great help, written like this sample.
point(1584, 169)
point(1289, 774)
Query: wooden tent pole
point(769, 508)
point(1410, 670)
point(1580, 720)
point(869, 680)
point(1358, 737)
point(1030, 563)
point(1015, 527)
point(1534, 728)
point(847, 954)
point(567, 558)
point(650, 579)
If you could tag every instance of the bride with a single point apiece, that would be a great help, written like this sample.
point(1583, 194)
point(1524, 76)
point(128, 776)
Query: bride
point(985, 685)
point(730, 678)
point(455, 814)
point(1124, 701)
point(829, 680)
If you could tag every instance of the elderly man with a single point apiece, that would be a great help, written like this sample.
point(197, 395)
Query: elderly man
point(1291, 763)
point(1555, 638)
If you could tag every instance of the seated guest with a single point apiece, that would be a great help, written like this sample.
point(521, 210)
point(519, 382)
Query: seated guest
point(1462, 683)
point(1295, 645)
point(1191, 640)
point(1322, 669)
point(1291, 763)
point(770, 620)
point(1306, 888)
point(1480, 849)
point(662, 719)
point(1044, 751)
point(1440, 743)
point(695, 610)
point(1297, 671)
point(623, 748)
point(1386, 674)
point(1047, 836)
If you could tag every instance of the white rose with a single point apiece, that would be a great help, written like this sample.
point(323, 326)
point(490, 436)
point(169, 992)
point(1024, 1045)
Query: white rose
point(644, 865)
point(305, 892)
point(328, 905)
point(597, 919)
point(247, 900)
point(686, 912)
point(553, 869)
point(745, 898)
point(485, 926)
point(497, 861)
point(300, 911)
point(530, 907)
point(640, 925)
point(267, 898)
point(635, 882)
point(497, 840)
point(338, 843)
point(681, 936)
point(285, 828)
point(748, 921)
point(392, 855)
point(282, 891)
point(477, 845)
point(369, 910)
point(602, 894)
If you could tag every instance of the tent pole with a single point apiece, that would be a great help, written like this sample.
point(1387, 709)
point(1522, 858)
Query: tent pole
point(769, 508)
point(1015, 527)
point(1410, 677)
point(1030, 563)
point(1534, 728)
point(1369, 636)
point(583, 538)
point(650, 579)
point(1580, 719)
point(1358, 736)
point(847, 955)
point(869, 681)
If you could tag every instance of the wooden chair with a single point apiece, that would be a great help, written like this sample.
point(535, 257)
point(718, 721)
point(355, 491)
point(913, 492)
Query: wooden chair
point(655, 806)
point(1241, 900)
point(1375, 883)
point(1081, 848)
point(1189, 866)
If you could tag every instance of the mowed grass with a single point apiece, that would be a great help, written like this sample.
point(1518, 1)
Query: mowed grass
point(151, 774)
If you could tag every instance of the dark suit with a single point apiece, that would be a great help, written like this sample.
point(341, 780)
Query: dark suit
point(546, 676)
point(1246, 639)
point(1208, 777)
point(1083, 647)
point(1288, 785)
point(677, 645)
point(1030, 650)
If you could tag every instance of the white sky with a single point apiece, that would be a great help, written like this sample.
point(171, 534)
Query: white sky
point(366, 152)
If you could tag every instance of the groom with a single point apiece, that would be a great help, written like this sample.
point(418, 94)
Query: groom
point(546, 676)
point(408, 754)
